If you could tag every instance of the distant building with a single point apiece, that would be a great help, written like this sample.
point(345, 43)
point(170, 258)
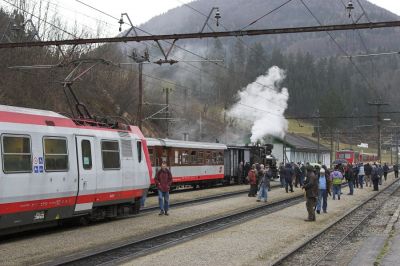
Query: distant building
point(296, 148)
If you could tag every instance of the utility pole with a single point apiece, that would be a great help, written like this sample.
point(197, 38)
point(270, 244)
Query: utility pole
point(167, 92)
point(332, 151)
point(140, 60)
point(378, 104)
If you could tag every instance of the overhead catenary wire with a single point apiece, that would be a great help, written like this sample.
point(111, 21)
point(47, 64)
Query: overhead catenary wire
point(339, 46)
point(268, 13)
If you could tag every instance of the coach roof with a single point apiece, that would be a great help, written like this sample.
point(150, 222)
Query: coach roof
point(185, 144)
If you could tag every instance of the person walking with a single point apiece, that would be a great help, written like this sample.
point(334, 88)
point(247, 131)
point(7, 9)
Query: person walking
point(303, 173)
point(163, 182)
point(297, 172)
point(361, 174)
point(385, 171)
point(264, 184)
point(355, 175)
point(350, 178)
point(281, 177)
point(337, 178)
point(288, 176)
point(368, 171)
point(396, 171)
point(375, 177)
point(311, 188)
point(252, 178)
point(379, 168)
point(324, 188)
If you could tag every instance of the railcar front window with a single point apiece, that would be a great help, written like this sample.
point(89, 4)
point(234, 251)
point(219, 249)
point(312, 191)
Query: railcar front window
point(17, 156)
point(55, 154)
point(110, 154)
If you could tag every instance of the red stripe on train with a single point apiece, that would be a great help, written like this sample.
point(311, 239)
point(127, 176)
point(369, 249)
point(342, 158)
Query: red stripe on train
point(181, 179)
point(44, 204)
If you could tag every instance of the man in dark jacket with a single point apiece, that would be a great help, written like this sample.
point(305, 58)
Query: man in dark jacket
point(396, 171)
point(348, 174)
point(368, 172)
point(311, 187)
point(385, 170)
point(288, 174)
point(163, 181)
point(375, 177)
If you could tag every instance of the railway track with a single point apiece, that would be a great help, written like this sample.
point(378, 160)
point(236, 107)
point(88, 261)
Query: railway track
point(117, 254)
point(320, 249)
point(203, 199)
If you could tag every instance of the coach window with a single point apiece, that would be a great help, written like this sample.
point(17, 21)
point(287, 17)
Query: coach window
point(110, 154)
point(17, 156)
point(208, 158)
point(220, 158)
point(139, 150)
point(193, 157)
point(55, 154)
point(185, 157)
point(200, 158)
point(86, 154)
point(151, 155)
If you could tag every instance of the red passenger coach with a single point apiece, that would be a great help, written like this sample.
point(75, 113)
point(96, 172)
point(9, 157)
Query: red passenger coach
point(54, 167)
point(191, 163)
point(355, 157)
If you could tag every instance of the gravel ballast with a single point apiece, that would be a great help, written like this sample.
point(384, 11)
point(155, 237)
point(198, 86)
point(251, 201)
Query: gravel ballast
point(41, 248)
point(257, 242)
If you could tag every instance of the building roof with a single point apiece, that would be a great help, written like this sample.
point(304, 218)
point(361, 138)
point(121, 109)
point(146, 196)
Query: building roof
point(302, 143)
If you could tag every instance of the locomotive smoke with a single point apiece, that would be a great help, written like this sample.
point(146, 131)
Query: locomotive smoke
point(263, 103)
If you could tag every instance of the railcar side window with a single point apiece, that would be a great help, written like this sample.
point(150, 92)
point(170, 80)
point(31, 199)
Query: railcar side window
point(55, 154)
point(86, 154)
point(139, 150)
point(110, 154)
point(17, 156)
point(185, 157)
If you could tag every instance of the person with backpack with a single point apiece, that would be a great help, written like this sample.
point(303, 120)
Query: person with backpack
point(337, 178)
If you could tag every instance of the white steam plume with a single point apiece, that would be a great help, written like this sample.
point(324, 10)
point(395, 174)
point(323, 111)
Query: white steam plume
point(263, 103)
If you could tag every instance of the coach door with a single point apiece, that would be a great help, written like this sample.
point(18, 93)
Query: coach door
point(87, 173)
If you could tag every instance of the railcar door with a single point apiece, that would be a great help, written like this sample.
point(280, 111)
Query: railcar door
point(87, 173)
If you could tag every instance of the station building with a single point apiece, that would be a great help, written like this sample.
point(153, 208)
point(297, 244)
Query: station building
point(296, 148)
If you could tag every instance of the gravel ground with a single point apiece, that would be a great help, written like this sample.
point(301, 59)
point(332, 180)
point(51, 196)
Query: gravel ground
point(37, 249)
point(188, 195)
point(257, 242)
point(375, 226)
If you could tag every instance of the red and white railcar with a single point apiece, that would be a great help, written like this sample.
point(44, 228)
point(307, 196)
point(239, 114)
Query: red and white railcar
point(353, 157)
point(53, 167)
point(191, 163)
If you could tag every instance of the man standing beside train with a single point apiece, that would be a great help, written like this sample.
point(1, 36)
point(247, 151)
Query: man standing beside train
point(163, 181)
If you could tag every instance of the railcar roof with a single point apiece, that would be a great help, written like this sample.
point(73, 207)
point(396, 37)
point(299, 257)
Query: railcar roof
point(185, 144)
point(30, 111)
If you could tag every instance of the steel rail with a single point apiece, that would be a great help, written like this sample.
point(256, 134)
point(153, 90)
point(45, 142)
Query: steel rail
point(197, 35)
point(134, 249)
point(281, 261)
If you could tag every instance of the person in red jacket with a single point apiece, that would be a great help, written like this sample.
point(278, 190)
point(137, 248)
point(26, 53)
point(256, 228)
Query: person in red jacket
point(163, 181)
point(252, 177)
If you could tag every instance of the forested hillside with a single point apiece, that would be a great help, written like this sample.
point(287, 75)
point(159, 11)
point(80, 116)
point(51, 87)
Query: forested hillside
point(318, 78)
